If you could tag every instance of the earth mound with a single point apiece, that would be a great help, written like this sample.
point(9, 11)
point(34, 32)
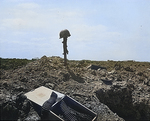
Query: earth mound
point(114, 90)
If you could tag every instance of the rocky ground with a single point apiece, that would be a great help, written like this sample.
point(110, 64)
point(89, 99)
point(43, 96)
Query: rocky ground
point(119, 93)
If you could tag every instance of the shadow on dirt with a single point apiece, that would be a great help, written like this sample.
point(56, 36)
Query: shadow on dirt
point(74, 76)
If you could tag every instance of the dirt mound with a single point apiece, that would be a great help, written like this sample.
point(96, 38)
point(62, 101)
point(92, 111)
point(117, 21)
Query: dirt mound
point(125, 89)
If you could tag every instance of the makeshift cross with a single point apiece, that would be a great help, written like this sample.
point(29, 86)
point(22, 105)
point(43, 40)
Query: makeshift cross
point(65, 34)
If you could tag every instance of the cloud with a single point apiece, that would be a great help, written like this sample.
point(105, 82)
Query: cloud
point(28, 6)
point(27, 17)
point(39, 30)
point(15, 23)
point(94, 34)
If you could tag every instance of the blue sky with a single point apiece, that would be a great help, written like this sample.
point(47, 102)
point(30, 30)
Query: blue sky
point(100, 29)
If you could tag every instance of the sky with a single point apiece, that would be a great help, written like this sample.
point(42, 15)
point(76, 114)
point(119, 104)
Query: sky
point(100, 29)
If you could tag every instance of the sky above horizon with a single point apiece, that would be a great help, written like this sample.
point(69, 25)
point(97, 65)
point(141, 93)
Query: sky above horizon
point(100, 29)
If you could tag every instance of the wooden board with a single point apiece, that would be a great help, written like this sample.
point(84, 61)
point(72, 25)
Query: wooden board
point(41, 94)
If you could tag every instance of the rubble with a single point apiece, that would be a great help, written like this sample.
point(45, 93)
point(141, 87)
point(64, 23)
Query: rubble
point(122, 93)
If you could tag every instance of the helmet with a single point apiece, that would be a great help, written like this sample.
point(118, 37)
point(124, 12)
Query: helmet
point(64, 33)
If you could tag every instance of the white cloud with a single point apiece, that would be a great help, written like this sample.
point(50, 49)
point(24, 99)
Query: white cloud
point(35, 19)
point(15, 23)
point(93, 34)
point(38, 39)
point(27, 17)
point(28, 6)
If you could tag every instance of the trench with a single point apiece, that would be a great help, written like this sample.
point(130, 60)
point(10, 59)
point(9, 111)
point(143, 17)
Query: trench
point(119, 100)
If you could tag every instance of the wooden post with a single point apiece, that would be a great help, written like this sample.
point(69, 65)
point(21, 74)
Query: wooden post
point(65, 50)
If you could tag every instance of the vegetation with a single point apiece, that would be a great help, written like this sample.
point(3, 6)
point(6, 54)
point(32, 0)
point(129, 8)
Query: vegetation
point(110, 64)
point(13, 63)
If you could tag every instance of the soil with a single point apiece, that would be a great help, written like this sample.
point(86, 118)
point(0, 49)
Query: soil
point(119, 93)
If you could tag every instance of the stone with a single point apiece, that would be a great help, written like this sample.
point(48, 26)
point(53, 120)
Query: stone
point(50, 85)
